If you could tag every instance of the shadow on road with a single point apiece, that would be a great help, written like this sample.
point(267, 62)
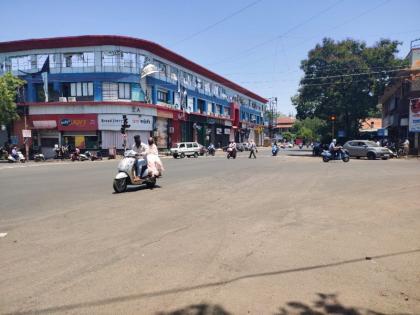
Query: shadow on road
point(325, 304)
point(198, 309)
point(132, 297)
point(137, 188)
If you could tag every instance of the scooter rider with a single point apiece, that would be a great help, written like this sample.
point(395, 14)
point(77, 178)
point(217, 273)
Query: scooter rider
point(333, 148)
point(140, 148)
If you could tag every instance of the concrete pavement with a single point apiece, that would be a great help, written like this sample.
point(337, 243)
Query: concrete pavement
point(217, 236)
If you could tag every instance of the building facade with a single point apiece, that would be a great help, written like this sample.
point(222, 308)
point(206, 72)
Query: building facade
point(400, 104)
point(78, 88)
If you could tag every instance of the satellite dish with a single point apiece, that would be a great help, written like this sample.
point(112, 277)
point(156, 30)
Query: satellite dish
point(148, 70)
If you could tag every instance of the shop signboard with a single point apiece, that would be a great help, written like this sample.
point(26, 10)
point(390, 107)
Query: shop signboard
point(114, 122)
point(82, 122)
point(414, 118)
point(228, 123)
point(219, 131)
point(227, 131)
point(26, 133)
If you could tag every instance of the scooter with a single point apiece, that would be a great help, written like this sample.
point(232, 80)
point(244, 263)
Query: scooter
point(341, 155)
point(20, 158)
point(274, 150)
point(126, 174)
point(231, 153)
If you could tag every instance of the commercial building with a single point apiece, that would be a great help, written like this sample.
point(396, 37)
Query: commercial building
point(400, 103)
point(77, 89)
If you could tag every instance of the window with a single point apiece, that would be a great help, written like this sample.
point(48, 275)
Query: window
point(182, 145)
point(111, 58)
point(21, 63)
point(195, 145)
point(189, 145)
point(162, 96)
point(77, 60)
point(109, 91)
point(81, 89)
point(128, 60)
point(124, 91)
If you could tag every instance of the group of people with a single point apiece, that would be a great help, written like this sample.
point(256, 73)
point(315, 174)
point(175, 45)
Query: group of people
point(150, 158)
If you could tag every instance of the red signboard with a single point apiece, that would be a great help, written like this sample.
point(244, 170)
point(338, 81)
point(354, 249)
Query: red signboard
point(69, 122)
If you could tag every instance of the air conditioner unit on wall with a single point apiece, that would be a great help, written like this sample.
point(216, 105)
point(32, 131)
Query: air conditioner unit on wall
point(62, 99)
point(72, 99)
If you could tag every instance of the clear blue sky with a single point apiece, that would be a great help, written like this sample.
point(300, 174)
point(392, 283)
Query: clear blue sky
point(272, 69)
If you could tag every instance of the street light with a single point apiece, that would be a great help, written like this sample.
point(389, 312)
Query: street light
point(333, 118)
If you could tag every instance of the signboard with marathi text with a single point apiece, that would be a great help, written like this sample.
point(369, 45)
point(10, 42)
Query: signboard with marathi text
point(414, 118)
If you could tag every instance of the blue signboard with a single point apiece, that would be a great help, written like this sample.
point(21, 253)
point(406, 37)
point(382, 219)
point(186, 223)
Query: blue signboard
point(382, 132)
point(341, 133)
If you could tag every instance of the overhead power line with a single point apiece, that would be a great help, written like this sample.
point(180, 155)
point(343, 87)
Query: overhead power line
point(218, 22)
point(280, 35)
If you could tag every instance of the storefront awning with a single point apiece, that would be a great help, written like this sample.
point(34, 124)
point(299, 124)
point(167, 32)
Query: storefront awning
point(45, 124)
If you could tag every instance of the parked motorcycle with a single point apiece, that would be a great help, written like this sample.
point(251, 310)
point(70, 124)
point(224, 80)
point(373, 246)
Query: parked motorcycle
point(211, 151)
point(231, 153)
point(77, 156)
point(38, 157)
point(15, 159)
point(4, 154)
point(341, 154)
point(126, 174)
point(93, 157)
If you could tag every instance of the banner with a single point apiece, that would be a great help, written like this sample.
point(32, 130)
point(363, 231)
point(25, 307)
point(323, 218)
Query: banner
point(414, 119)
point(114, 122)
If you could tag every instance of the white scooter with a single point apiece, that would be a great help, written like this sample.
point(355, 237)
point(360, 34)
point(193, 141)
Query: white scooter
point(20, 158)
point(126, 173)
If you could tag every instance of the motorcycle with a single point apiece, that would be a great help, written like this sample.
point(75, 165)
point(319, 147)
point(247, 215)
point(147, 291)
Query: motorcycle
point(126, 174)
point(77, 156)
point(4, 154)
point(38, 157)
point(19, 158)
point(211, 151)
point(340, 155)
point(231, 153)
point(274, 150)
point(93, 157)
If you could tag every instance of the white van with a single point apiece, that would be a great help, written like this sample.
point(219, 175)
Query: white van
point(183, 149)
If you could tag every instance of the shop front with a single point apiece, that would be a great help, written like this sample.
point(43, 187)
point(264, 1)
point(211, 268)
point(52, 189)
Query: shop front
point(74, 130)
point(164, 128)
point(199, 128)
point(109, 126)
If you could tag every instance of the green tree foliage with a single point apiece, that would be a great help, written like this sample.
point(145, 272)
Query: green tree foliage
point(9, 86)
point(287, 135)
point(345, 78)
point(309, 128)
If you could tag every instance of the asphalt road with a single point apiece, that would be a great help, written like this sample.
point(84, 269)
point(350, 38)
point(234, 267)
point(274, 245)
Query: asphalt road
point(275, 235)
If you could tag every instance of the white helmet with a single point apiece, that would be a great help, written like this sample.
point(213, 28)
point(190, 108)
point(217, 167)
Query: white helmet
point(334, 140)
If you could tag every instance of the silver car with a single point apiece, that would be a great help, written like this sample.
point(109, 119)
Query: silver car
point(366, 148)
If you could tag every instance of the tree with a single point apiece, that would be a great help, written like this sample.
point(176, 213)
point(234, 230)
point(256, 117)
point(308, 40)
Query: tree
point(9, 87)
point(287, 135)
point(309, 129)
point(345, 78)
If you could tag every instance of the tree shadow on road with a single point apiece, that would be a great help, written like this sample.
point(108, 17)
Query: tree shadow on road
point(325, 304)
point(198, 309)
point(179, 290)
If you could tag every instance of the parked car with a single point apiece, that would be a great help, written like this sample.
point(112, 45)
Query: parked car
point(366, 148)
point(183, 149)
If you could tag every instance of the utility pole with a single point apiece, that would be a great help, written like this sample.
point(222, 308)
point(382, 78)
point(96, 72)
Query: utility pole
point(272, 108)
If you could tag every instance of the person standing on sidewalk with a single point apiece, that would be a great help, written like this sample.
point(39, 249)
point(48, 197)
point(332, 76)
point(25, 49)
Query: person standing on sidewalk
point(406, 147)
point(252, 149)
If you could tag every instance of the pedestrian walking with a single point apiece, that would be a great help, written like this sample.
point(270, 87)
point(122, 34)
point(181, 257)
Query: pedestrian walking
point(252, 149)
point(406, 147)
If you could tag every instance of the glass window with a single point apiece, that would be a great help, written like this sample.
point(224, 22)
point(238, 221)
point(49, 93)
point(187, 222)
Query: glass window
point(21, 63)
point(124, 90)
point(110, 91)
point(77, 60)
point(162, 96)
point(189, 145)
point(182, 145)
point(195, 145)
point(111, 58)
point(81, 89)
point(129, 60)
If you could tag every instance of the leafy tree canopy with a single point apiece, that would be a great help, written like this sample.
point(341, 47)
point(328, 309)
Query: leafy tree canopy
point(345, 79)
point(9, 86)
